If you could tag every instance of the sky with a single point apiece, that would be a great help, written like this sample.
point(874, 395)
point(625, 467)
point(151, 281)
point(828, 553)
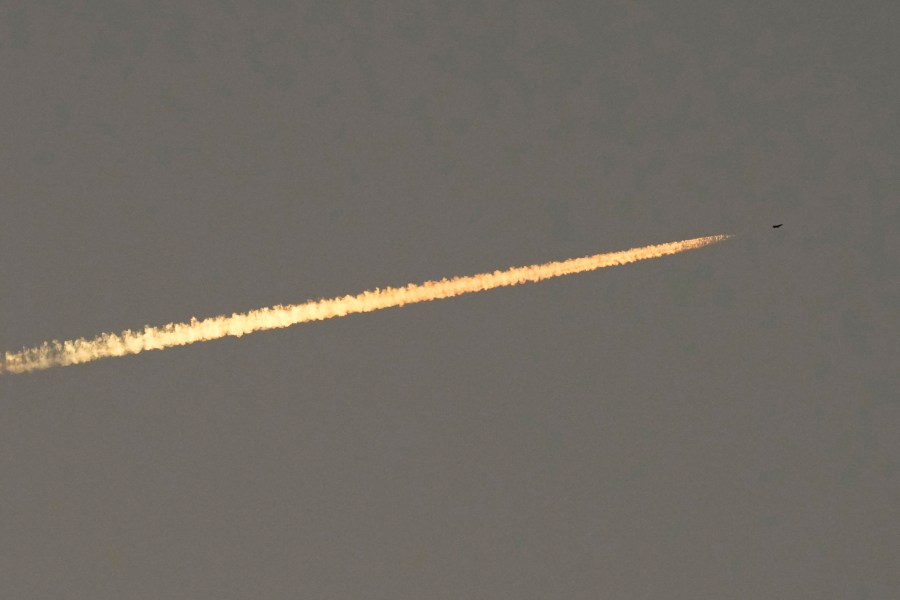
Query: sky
point(723, 422)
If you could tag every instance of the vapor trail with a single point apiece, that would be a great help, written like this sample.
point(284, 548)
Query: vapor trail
point(105, 345)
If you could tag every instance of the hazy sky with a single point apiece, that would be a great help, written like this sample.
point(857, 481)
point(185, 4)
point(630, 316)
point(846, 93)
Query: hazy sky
point(724, 423)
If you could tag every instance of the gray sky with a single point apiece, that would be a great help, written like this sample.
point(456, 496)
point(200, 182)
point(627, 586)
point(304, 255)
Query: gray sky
point(723, 423)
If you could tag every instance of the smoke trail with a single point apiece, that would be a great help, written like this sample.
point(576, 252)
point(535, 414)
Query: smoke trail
point(105, 345)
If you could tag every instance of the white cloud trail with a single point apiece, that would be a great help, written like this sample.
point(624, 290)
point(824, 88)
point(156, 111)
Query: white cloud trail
point(106, 345)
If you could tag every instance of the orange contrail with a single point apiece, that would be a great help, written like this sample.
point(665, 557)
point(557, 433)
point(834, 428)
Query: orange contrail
point(105, 345)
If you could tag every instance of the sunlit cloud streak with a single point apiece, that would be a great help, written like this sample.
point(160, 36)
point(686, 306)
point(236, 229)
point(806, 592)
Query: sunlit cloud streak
point(107, 345)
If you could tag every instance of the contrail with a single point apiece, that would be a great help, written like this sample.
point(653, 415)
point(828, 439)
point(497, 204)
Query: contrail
point(106, 345)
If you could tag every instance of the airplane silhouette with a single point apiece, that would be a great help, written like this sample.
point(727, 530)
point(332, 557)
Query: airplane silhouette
point(777, 226)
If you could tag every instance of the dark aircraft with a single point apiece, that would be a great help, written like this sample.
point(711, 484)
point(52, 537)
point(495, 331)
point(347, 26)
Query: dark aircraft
point(777, 226)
